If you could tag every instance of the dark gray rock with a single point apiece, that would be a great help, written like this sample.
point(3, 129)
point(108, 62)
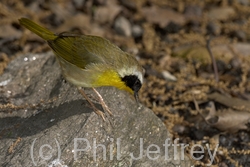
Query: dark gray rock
point(44, 120)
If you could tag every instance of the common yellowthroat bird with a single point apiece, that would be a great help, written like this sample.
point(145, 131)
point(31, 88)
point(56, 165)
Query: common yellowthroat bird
point(91, 61)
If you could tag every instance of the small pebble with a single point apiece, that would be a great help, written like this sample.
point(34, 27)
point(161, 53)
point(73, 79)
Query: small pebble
point(166, 75)
point(240, 35)
point(137, 31)
point(213, 28)
point(122, 26)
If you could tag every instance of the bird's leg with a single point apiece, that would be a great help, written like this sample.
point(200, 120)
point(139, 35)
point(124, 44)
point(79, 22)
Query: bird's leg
point(97, 111)
point(104, 106)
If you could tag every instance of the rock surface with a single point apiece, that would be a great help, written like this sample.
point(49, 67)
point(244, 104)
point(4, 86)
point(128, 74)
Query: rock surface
point(44, 121)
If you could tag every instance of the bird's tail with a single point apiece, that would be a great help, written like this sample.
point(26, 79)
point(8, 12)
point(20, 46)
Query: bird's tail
point(37, 29)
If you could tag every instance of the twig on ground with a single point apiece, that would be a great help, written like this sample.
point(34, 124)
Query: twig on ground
point(216, 74)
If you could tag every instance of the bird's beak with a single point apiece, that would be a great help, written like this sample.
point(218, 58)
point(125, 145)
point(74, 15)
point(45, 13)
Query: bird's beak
point(136, 97)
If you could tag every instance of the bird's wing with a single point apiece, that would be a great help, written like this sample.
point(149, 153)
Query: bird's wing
point(82, 50)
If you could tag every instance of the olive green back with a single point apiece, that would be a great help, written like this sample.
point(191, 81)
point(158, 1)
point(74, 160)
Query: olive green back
point(82, 50)
point(79, 50)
